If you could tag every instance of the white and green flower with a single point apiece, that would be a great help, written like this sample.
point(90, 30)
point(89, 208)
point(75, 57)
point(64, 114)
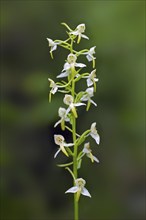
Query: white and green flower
point(79, 188)
point(53, 86)
point(59, 140)
point(69, 100)
point(80, 29)
point(91, 79)
point(64, 117)
point(88, 95)
point(94, 134)
point(52, 45)
point(90, 55)
point(87, 150)
point(70, 65)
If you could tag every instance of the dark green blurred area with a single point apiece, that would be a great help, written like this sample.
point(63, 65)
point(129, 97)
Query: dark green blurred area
point(32, 187)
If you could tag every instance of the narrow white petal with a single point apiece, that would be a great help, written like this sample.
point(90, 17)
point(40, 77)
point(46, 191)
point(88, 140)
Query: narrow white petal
point(93, 102)
point(73, 189)
point(85, 192)
point(68, 145)
point(57, 153)
point(84, 36)
point(79, 104)
point(80, 65)
point(95, 159)
point(57, 123)
point(61, 75)
point(96, 80)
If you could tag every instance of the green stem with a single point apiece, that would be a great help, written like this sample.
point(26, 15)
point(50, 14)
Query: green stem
point(75, 172)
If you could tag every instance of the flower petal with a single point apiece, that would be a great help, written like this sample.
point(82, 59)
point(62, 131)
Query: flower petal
point(84, 36)
point(57, 123)
point(80, 65)
point(63, 74)
point(53, 48)
point(68, 145)
point(57, 153)
point(85, 192)
point(95, 159)
point(93, 102)
point(89, 57)
point(96, 137)
point(73, 189)
point(89, 82)
point(79, 104)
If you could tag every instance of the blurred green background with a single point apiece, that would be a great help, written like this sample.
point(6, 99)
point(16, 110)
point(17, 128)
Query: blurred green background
point(32, 187)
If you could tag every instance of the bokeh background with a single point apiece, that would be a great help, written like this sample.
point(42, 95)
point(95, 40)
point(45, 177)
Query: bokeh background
point(32, 187)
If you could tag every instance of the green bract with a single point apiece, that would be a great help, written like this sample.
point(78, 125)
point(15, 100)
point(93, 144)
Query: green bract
point(73, 71)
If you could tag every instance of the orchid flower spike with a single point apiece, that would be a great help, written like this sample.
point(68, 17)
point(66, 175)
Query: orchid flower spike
point(79, 188)
point(59, 140)
point(87, 150)
point(68, 100)
point(94, 134)
point(70, 65)
point(78, 32)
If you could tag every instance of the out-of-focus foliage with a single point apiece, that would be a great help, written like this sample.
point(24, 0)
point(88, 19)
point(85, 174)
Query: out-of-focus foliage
point(32, 187)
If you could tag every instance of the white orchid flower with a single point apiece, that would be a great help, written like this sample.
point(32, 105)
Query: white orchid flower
point(78, 32)
point(87, 150)
point(79, 188)
point(70, 65)
point(88, 95)
point(62, 114)
point(53, 45)
point(91, 79)
point(68, 100)
point(89, 55)
point(53, 87)
point(94, 134)
point(59, 140)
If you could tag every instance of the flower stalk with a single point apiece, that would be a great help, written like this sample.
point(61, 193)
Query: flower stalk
point(73, 72)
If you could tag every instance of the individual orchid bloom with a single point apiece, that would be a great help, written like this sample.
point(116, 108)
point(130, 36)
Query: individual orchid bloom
point(59, 140)
point(88, 95)
point(94, 134)
point(87, 150)
point(78, 32)
point(64, 118)
point(90, 56)
point(70, 65)
point(79, 188)
point(53, 45)
point(68, 100)
point(53, 87)
point(91, 79)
